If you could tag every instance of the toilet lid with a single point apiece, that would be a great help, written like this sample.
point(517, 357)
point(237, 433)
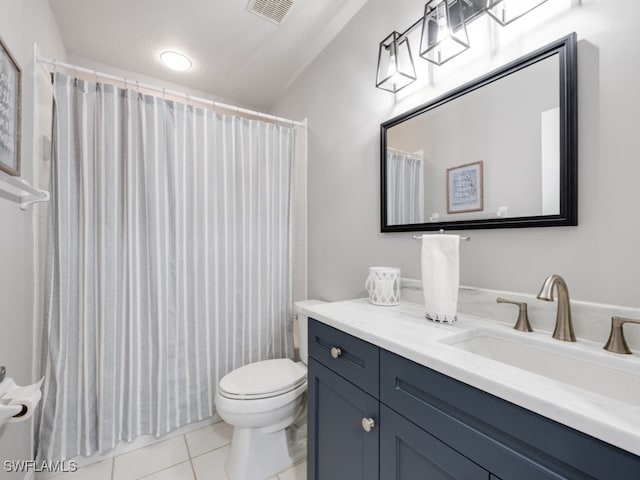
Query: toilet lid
point(263, 379)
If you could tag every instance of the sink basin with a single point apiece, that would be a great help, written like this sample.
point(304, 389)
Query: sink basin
point(582, 364)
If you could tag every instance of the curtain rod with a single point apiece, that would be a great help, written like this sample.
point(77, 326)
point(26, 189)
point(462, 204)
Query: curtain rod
point(173, 93)
point(404, 152)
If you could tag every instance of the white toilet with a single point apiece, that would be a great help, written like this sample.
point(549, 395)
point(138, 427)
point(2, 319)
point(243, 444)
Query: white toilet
point(261, 400)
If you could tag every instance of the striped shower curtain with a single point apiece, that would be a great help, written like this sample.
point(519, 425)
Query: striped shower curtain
point(405, 187)
point(168, 262)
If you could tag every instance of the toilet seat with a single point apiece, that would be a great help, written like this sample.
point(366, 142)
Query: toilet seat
point(265, 379)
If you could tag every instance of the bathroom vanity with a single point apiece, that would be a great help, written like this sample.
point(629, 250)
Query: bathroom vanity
point(391, 397)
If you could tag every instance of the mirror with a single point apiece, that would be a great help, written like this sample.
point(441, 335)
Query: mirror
point(498, 152)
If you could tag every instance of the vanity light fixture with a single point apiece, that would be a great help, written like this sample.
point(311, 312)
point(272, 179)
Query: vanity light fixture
point(175, 61)
point(444, 36)
point(395, 64)
point(444, 33)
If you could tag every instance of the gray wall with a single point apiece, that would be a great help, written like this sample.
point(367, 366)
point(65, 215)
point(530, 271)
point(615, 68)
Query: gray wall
point(21, 23)
point(599, 258)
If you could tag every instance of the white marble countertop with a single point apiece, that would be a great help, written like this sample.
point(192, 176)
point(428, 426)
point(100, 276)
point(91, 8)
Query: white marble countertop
point(404, 330)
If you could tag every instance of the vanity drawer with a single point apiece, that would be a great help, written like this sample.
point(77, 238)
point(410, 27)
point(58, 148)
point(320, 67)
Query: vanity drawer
point(348, 356)
point(507, 440)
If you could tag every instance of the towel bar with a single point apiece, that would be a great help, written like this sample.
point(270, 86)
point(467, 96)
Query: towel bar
point(441, 232)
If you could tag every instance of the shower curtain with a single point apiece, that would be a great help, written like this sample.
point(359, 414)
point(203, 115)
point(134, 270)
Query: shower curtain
point(405, 187)
point(168, 262)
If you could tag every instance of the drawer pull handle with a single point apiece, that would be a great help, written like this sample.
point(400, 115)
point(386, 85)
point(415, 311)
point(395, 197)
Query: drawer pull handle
point(335, 352)
point(368, 424)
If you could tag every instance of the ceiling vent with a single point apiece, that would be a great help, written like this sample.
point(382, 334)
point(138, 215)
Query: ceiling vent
point(273, 10)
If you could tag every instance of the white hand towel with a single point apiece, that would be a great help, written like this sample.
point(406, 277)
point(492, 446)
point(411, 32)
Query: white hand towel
point(441, 276)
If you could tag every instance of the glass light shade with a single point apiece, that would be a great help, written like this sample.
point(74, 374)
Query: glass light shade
point(444, 32)
point(506, 11)
point(395, 64)
point(176, 61)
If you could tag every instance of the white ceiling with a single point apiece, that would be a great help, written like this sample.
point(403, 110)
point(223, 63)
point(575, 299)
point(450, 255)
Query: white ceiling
point(235, 54)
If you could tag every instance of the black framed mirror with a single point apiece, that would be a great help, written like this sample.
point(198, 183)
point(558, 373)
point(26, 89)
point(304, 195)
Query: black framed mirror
point(497, 152)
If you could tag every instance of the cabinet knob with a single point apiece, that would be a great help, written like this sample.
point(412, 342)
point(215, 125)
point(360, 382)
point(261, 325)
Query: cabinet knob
point(335, 352)
point(368, 424)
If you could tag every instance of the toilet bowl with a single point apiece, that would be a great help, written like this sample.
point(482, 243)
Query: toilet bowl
point(261, 401)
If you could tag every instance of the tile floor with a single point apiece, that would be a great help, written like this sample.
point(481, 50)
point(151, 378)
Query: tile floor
point(198, 455)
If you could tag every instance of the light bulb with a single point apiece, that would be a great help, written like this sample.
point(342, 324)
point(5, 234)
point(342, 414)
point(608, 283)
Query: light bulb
point(443, 29)
point(392, 71)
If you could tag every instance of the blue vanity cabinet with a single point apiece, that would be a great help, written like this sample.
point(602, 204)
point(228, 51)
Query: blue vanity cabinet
point(431, 426)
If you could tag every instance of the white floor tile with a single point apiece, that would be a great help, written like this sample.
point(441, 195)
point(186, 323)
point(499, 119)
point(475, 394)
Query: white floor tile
point(210, 466)
point(299, 472)
point(154, 458)
point(182, 471)
point(95, 471)
point(209, 438)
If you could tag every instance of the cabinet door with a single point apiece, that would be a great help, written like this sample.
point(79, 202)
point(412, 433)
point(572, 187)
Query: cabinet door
point(338, 446)
point(408, 453)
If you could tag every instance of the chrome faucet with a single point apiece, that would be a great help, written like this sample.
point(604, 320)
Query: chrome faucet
point(564, 327)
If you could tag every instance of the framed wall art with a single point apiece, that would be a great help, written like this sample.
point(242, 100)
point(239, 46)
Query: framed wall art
point(10, 106)
point(464, 188)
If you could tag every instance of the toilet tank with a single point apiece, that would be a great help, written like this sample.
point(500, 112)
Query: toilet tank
point(303, 327)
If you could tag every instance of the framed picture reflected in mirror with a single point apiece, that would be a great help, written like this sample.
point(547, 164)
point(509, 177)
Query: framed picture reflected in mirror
point(465, 191)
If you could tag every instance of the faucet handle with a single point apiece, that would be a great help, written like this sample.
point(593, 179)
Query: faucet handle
point(617, 342)
point(523, 317)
